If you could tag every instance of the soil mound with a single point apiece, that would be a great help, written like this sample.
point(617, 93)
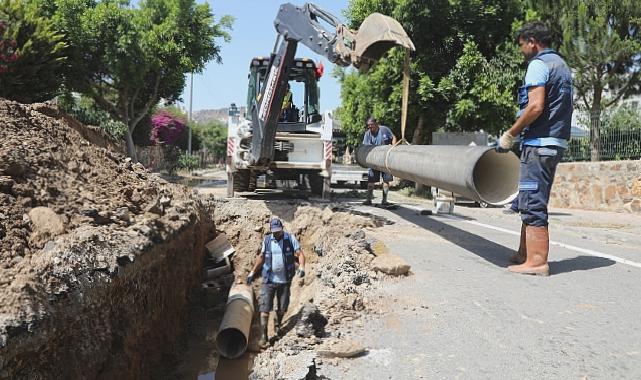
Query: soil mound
point(59, 190)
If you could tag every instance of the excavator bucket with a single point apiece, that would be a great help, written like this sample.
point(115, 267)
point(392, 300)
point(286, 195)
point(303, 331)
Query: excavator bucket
point(377, 34)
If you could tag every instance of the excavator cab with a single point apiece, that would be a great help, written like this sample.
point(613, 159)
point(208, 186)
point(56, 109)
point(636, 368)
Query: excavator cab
point(300, 109)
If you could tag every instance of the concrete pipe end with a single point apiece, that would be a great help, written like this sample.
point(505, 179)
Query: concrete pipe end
point(496, 177)
point(231, 343)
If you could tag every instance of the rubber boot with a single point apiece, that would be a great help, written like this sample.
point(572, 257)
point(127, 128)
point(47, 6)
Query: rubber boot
point(278, 323)
point(370, 193)
point(264, 319)
point(537, 245)
point(519, 257)
point(385, 192)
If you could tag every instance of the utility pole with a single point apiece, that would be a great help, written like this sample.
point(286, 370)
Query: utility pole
point(191, 103)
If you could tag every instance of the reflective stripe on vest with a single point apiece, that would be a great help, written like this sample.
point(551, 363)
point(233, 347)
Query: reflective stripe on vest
point(288, 252)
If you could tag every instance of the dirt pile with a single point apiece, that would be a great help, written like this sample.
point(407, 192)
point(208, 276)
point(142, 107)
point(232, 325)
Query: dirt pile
point(339, 276)
point(73, 215)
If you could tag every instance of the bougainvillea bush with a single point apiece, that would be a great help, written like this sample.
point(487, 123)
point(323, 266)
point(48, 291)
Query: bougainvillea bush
point(167, 128)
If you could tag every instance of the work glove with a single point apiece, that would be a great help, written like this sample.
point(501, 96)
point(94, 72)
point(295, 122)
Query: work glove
point(505, 142)
point(250, 278)
point(301, 273)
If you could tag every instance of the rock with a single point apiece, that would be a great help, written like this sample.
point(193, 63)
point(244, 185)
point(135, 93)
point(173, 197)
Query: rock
point(6, 184)
point(311, 322)
point(16, 169)
point(390, 264)
point(344, 348)
point(46, 222)
point(318, 249)
point(327, 215)
point(154, 208)
point(122, 213)
point(98, 217)
point(165, 202)
point(144, 229)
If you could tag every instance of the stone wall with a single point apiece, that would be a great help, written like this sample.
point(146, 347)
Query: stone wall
point(606, 186)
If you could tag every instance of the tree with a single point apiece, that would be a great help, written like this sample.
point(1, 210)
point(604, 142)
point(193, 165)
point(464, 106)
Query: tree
point(31, 53)
point(127, 59)
point(481, 91)
point(601, 41)
point(211, 136)
point(84, 109)
point(440, 30)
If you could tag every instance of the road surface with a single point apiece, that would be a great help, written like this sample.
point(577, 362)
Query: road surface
point(461, 315)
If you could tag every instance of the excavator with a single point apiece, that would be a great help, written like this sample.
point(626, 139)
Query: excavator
point(291, 145)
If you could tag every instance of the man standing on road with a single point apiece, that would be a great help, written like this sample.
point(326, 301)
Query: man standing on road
point(277, 259)
point(377, 135)
point(545, 102)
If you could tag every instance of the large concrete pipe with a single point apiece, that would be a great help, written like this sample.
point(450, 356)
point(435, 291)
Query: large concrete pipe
point(474, 172)
point(233, 333)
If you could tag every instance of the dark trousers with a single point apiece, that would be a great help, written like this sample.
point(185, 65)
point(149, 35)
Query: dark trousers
point(267, 293)
point(538, 166)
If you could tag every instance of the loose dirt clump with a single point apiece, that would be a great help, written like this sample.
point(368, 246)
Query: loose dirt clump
point(339, 276)
point(72, 216)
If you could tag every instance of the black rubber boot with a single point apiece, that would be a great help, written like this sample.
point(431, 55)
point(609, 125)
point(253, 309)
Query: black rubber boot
point(385, 192)
point(278, 323)
point(264, 319)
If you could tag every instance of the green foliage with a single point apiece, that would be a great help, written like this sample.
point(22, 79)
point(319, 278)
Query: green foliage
point(128, 57)
point(481, 91)
point(601, 41)
point(619, 137)
point(623, 118)
point(462, 73)
point(188, 161)
point(84, 109)
point(211, 136)
point(171, 158)
point(31, 53)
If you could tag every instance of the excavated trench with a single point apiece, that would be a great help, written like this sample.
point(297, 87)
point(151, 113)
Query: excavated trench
point(338, 275)
point(102, 264)
point(120, 323)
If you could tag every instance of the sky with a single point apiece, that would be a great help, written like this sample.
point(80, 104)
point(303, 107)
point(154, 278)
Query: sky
point(253, 35)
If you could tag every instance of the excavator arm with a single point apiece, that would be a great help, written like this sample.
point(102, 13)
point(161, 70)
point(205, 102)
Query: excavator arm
point(342, 46)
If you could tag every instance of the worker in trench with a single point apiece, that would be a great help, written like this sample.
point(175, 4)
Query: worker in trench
point(377, 135)
point(544, 122)
point(277, 260)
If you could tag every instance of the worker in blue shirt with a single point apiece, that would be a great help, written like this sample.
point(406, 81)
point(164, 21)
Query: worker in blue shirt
point(377, 135)
point(277, 259)
point(544, 122)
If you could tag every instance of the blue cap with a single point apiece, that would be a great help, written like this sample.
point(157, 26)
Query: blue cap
point(276, 225)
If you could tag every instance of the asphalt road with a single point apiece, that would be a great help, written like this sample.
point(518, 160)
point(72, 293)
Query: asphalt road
point(461, 315)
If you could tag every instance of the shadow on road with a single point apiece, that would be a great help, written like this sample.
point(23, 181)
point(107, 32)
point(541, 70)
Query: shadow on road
point(478, 245)
point(579, 263)
point(492, 252)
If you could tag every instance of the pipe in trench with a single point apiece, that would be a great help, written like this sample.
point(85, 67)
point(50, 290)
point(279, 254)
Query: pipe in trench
point(233, 334)
point(474, 172)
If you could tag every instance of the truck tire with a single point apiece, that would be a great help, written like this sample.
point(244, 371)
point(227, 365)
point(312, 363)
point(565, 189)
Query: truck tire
point(241, 180)
point(315, 182)
point(253, 177)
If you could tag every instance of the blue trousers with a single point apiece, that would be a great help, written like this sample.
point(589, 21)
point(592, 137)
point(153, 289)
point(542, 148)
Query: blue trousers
point(538, 166)
point(374, 176)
